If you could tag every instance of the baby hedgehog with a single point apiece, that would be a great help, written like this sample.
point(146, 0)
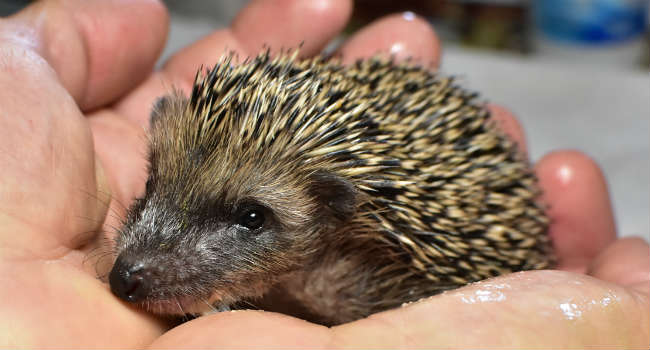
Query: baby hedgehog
point(325, 191)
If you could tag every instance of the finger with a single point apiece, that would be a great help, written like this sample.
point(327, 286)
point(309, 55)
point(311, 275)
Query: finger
point(312, 23)
point(120, 145)
point(625, 262)
point(99, 49)
point(277, 24)
point(402, 35)
point(271, 330)
point(49, 179)
point(509, 124)
point(532, 309)
point(582, 222)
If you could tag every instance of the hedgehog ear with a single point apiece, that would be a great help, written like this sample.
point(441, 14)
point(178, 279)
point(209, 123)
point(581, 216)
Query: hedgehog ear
point(159, 107)
point(165, 106)
point(337, 195)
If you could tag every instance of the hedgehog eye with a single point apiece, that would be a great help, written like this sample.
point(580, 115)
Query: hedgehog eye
point(251, 217)
point(148, 185)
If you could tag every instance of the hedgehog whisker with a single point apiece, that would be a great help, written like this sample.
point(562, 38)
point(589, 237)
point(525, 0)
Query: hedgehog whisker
point(105, 202)
point(212, 308)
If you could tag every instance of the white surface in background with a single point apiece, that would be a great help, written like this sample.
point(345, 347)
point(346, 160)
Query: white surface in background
point(562, 103)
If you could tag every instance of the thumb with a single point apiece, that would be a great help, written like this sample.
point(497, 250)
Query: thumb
point(99, 48)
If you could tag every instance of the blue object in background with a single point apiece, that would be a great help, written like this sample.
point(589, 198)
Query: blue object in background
point(591, 21)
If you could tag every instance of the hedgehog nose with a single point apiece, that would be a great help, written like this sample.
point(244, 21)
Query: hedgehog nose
point(128, 281)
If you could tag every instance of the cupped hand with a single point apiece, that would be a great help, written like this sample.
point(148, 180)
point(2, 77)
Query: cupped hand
point(76, 87)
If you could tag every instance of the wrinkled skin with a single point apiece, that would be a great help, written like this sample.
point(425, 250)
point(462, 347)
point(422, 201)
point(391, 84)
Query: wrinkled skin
point(77, 87)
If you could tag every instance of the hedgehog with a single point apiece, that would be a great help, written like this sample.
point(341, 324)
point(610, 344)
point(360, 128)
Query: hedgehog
point(324, 191)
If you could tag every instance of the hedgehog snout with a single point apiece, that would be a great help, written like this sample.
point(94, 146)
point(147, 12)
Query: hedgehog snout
point(144, 273)
point(130, 281)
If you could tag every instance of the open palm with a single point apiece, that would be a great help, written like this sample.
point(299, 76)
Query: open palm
point(76, 86)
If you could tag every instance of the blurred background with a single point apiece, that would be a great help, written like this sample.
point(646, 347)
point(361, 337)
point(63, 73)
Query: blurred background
point(574, 71)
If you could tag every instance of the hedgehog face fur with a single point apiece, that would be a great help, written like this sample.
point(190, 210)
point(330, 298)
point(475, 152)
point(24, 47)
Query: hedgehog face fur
point(350, 190)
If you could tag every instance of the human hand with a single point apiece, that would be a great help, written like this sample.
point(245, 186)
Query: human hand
point(74, 72)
